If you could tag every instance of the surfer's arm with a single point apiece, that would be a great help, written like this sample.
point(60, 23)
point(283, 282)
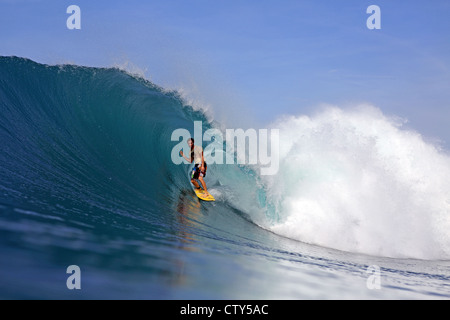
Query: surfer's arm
point(190, 160)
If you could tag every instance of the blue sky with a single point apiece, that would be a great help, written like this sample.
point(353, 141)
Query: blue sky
point(254, 60)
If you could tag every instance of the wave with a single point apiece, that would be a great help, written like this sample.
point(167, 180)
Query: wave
point(356, 180)
point(92, 136)
point(96, 143)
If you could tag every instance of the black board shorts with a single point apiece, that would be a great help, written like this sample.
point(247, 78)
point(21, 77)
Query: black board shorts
point(196, 173)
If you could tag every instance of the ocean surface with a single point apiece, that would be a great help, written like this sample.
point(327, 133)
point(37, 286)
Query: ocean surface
point(359, 208)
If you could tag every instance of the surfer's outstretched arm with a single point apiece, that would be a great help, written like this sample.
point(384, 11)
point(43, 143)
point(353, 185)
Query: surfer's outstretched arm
point(182, 154)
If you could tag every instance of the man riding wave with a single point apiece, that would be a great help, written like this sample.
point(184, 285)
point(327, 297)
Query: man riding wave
point(200, 167)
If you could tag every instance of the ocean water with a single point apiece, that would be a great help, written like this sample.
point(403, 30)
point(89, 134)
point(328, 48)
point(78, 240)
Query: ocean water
point(359, 209)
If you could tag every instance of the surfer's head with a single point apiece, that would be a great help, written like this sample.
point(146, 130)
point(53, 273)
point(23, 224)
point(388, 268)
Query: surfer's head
point(190, 143)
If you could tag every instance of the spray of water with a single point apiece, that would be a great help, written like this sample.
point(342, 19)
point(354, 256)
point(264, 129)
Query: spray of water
point(356, 180)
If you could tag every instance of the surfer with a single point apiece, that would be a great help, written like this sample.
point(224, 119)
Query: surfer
point(199, 170)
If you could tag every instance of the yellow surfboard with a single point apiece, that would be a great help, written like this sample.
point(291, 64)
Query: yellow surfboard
point(200, 194)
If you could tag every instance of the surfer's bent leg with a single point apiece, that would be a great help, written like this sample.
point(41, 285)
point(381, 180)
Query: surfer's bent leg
point(203, 183)
point(194, 177)
point(200, 177)
point(195, 183)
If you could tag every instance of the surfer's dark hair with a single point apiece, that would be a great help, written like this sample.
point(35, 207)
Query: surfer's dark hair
point(190, 140)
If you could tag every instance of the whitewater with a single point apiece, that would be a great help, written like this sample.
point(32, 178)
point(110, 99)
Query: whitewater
point(355, 180)
point(87, 179)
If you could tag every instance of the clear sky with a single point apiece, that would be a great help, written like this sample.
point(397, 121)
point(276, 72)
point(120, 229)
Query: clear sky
point(252, 60)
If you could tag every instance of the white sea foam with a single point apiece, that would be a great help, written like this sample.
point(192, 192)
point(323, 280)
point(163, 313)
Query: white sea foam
point(355, 180)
